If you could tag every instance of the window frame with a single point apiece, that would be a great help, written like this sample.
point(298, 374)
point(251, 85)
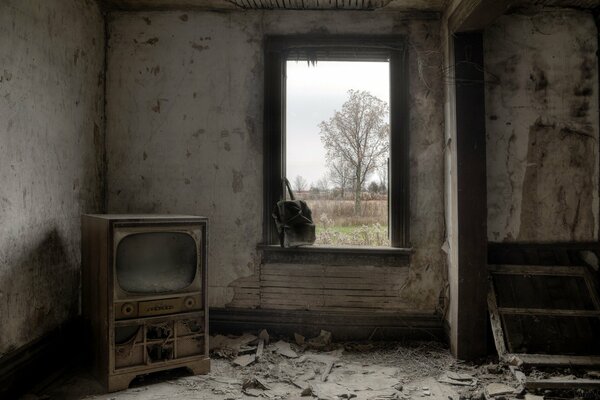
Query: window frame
point(278, 49)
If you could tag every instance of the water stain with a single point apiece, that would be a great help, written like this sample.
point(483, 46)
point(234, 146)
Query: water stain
point(147, 20)
point(199, 47)
point(154, 70)
point(75, 56)
point(580, 109)
point(237, 183)
point(152, 41)
point(538, 77)
point(583, 91)
point(557, 194)
point(183, 17)
point(198, 133)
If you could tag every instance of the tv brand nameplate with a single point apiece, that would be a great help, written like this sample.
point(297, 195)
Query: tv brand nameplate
point(158, 307)
point(138, 309)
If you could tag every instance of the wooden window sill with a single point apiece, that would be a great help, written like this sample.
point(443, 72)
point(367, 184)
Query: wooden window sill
point(336, 255)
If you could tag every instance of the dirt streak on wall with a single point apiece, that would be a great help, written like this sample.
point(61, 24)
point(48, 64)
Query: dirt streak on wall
point(184, 134)
point(51, 123)
point(542, 127)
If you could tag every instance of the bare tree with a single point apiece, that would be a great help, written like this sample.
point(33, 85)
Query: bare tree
point(359, 134)
point(322, 184)
point(382, 173)
point(300, 183)
point(340, 173)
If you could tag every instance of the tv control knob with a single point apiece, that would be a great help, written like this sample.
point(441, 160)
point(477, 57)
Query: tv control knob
point(189, 302)
point(127, 309)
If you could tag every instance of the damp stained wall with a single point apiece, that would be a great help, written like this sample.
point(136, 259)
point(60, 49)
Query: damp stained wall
point(51, 137)
point(184, 135)
point(542, 127)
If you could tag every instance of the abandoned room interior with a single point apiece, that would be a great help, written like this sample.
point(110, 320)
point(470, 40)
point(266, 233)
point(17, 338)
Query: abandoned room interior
point(299, 199)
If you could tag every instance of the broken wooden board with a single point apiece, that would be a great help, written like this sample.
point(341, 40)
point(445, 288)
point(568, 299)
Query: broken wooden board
point(562, 383)
point(544, 315)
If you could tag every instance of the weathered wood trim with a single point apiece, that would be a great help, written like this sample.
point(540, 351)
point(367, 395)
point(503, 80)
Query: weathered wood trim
point(556, 360)
point(555, 383)
point(343, 256)
point(548, 312)
point(473, 15)
point(471, 319)
point(497, 331)
point(547, 254)
point(337, 47)
point(375, 325)
point(536, 270)
point(497, 314)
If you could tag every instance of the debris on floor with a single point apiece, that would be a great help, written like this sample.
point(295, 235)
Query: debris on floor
point(262, 367)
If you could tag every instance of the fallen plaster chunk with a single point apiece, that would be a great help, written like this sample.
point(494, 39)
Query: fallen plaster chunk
point(255, 383)
point(533, 397)
point(284, 349)
point(245, 360)
point(299, 339)
point(326, 372)
point(459, 377)
point(264, 335)
point(498, 389)
point(230, 347)
point(259, 348)
point(321, 341)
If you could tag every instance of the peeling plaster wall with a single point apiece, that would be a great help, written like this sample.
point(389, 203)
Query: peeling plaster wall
point(184, 135)
point(51, 137)
point(542, 127)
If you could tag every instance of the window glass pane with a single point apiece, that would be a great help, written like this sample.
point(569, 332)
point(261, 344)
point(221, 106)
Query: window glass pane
point(337, 147)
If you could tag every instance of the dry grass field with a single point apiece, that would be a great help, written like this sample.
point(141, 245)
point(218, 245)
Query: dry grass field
point(337, 224)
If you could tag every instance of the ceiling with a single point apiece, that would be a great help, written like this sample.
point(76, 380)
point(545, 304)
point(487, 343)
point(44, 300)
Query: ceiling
point(223, 5)
point(386, 5)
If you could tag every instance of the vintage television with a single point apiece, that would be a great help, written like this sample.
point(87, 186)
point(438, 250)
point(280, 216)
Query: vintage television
point(144, 300)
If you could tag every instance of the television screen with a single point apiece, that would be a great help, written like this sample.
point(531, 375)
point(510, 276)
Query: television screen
point(156, 262)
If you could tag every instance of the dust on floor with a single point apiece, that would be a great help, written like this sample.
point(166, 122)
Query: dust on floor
point(251, 367)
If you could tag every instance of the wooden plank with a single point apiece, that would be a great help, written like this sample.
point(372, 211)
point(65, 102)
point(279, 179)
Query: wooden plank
point(475, 15)
point(317, 284)
point(557, 360)
point(550, 312)
point(554, 270)
point(329, 292)
point(319, 270)
point(326, 297)
point(495, 321)
point(469, 339)
point(326, 280)
point(557, 383)
point(323, 281)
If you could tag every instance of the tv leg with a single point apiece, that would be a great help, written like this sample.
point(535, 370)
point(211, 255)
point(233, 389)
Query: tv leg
point(200, 367)
point(119, 382)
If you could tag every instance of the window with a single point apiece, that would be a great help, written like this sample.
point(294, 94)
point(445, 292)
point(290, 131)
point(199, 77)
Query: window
point(371, 207)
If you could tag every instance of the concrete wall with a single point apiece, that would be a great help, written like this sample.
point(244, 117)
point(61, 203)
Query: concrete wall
point(184, 134)
point(51, 123)
point(542, 127)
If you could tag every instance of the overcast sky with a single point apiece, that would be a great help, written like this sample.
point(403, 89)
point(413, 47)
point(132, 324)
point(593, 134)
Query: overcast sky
point(314, 92)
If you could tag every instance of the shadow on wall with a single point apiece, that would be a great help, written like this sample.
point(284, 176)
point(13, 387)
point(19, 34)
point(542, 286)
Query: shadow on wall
point(39, 292)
